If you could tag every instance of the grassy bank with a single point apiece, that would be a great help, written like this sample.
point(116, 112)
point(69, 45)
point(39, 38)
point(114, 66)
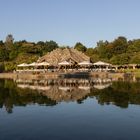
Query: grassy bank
point(136, 72)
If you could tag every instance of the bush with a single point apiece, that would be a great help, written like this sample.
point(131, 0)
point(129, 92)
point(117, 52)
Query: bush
point(9, 66)
point(1, 67)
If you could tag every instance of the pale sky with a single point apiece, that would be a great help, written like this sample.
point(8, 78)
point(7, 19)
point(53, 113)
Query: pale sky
point(70, 21)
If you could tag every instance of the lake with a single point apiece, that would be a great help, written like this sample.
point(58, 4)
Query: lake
point(69, 109)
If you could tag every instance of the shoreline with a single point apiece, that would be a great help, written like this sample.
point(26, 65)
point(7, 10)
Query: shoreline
point(56, 75)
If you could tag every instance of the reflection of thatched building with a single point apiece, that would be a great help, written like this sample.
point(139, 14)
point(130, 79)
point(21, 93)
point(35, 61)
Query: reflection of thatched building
point(59, 55)
point(59, 94)
point(66, 90)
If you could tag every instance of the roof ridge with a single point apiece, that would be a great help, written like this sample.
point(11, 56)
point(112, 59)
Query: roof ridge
point(59, 55)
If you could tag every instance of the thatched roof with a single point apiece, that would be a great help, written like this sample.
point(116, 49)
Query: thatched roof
point(60, 55)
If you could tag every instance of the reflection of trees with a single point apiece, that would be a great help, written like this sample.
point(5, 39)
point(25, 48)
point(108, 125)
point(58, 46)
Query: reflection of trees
point(11, 95)
point(80, 101)
point(120, 94)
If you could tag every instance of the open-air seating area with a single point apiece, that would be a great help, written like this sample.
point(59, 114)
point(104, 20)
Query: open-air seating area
point(60, 70)
point(66, 69)
point(30, 70)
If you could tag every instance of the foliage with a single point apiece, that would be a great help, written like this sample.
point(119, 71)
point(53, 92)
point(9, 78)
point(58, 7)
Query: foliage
point(120, 59)
point(120, 45)
point(135, 59)
point(49, 46)
point(11, 95)
point(9, 66)
point(13, 54)
point(102, 49)
point(119, 93)
point(3, 54)
point(118, 51)
point(80, 47)
point(134, 46)
point(9, 39)
point(26, 58)
point(1, 67)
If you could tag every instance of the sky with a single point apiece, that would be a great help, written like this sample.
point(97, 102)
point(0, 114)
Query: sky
point(70, 21)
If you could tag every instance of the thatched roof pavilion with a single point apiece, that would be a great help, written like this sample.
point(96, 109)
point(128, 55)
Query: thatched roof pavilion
point(60, 55)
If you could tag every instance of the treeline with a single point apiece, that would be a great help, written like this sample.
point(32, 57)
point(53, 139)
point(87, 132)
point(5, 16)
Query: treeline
point(13, 53)
point(119, 51)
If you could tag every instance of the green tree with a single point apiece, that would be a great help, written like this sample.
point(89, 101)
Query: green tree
point(80, 47)
point(3, 53)
point(120, 45)
point(135, 59)
point(92, 53)
point(13, 54)
point(120, 59)
point(103, 50)
point(30, 48)
point(134, 46)
point(1, 43)
point(1, 67)
point(50, 46)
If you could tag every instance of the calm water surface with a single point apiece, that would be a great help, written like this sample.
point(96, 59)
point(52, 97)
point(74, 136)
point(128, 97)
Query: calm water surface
point(69, 109)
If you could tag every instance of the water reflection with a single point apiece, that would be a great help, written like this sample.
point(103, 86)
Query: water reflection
point(22, 92)
point(119, 93)
point(66, 90)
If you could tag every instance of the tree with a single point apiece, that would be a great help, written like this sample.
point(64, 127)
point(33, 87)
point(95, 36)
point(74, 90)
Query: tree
point(102, 49)
point(3, 53)
point(1, 67)
point(13, 54)
point(120, 45)
point(1, 43)
point(120, 59)
point(30, 48)
point(134, 46)
point(9, 39)
point(90, 51)
point(50, 46)
point(95, 58)
point(135, 59)
point(9, 42)
point(80, 47)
